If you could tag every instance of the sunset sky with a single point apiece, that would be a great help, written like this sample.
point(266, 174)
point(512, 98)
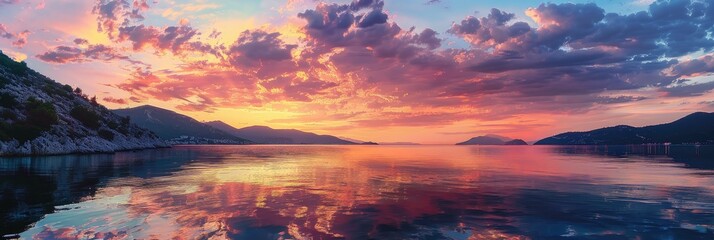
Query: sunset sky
point(428, 71)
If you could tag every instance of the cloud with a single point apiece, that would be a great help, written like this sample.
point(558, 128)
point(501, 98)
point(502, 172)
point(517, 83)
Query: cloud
point(258, 48)
point(113, 14)
point(619, 99)
point(20, 39)
point(9, 2)
point(68, 54)
point(178, 40)
point(356, 57)
point(491, 30)
point(120, 101)
point(688, 90)
point(703, 65)
point(376, 16)
point(4, 32)
point(80, 41)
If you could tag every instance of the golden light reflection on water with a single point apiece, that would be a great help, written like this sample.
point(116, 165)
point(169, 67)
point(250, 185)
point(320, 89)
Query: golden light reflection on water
point(322, 192)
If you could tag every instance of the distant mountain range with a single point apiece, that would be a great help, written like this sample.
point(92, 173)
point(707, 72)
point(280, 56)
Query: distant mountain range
point(267, 135)
point(177, 128)
point(39, 116)
point(694, 128)
point(181, 129)
point(492, 139)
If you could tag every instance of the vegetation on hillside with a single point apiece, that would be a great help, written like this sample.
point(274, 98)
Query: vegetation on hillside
point(33, 106)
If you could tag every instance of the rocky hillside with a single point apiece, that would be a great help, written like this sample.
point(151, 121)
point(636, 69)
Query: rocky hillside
point(39, 116)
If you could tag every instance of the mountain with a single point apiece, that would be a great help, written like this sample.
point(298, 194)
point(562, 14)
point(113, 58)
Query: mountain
point(483, 140)
point(502, 138)
point(177, 128)
point(493, 139)
point(267, 135)
point(39, 116)
point(515, 142)
point(352, 140)
point(694, 128)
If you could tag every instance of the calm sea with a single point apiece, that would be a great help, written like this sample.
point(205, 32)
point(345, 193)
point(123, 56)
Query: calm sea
point(363, 192)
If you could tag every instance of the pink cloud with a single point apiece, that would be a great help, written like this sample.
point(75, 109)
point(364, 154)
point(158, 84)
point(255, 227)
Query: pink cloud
point(20, 39)
point(67, 54)
point(115, 100)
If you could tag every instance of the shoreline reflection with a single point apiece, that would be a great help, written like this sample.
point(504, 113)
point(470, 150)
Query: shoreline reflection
point(357, 192)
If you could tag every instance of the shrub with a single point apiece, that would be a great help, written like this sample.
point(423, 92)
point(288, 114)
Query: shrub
point(112, 124)
point(125, 121)
point(19, 68)
point(4, 134)
point(54, 89)
point(8, 114)
point(20, 131)
point(40, 118)
point(86, 116)
point(93, 100)
point(3, 82)
point(67, 88)
point(7, 100)
point(106, 134)
point(23, 131)
point(40, 114)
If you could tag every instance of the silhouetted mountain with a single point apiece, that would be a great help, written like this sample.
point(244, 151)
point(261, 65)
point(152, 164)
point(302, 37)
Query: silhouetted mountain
point(40, 116)
point(267, 135)
point(482, 140)
point(369, 143)
point(515, 142)
point(352, 140)
point(694, 128)
point(502, 138)
point(493, 139)
point(177, 128)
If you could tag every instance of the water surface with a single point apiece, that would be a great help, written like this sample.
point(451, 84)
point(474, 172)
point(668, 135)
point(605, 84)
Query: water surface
point(362, 192)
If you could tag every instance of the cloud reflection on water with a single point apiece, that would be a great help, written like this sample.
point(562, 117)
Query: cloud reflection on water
point(360, 192)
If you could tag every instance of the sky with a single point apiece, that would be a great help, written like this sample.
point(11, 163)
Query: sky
point(427, 71)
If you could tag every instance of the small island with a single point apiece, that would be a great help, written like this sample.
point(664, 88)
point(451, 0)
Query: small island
point(516, 142)
point(492, 139)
